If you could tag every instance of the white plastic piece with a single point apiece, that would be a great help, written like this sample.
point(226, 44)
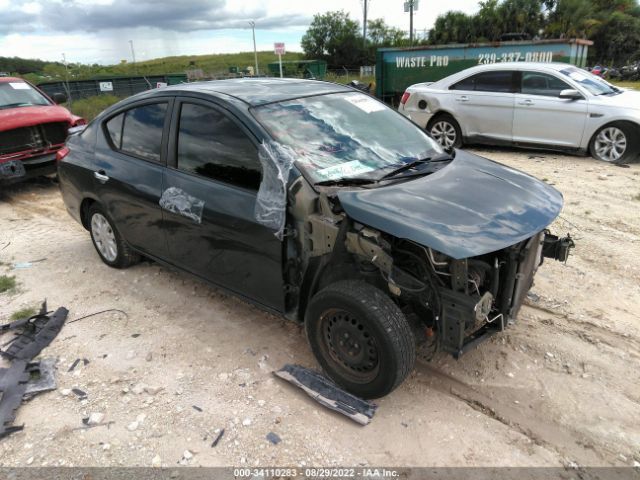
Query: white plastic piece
point(271, 203)
point(178, 201)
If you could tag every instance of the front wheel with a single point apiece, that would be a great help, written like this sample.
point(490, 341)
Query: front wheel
point(615, 143)
point(360, 338)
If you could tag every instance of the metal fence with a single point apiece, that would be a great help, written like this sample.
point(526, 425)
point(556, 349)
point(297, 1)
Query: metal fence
point(118, 86)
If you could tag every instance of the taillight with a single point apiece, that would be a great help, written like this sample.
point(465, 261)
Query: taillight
point(405, 97)
point(63, 152)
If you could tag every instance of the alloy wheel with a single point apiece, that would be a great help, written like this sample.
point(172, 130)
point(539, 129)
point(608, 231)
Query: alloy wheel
point(104, 237)
point(610, 144)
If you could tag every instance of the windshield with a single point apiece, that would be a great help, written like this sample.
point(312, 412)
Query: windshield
point(595, 85)
point(344, 135)
point(20, 94)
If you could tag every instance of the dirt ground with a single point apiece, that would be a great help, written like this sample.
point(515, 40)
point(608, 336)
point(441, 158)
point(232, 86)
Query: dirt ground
point(561, 387)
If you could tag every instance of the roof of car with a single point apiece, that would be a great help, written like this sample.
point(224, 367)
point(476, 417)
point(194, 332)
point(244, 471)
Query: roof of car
point(259, 91)
point(10, 79)
point(523, 65)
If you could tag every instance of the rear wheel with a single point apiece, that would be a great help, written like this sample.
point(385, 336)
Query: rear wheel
point(445, 130)
point(360, 337)
point(108, 243)
point(615, 143)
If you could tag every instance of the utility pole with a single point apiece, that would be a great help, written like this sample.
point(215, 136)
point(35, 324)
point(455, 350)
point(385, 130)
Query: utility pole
point(410, 6)
point(133, 55)
point(66, 76)
point(255, 52)
point(364, 25)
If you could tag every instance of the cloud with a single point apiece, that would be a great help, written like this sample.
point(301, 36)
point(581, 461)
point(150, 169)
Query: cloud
point(167, 15)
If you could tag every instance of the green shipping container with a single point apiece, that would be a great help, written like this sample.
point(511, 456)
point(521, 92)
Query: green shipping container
point(397, 68)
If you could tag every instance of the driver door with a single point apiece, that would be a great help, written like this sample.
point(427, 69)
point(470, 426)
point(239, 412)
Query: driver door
point(541, 117)
point(209, 191)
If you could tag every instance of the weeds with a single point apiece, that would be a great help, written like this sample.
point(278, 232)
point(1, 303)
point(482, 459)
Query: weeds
point(7, 283)
point(23, 313)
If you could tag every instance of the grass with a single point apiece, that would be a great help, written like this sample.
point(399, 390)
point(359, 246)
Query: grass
point(624, 84)
point(7, 283)
point(89, 107)
point(23, 313)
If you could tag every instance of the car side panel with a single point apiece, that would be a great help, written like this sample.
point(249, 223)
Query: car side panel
point(549, 121)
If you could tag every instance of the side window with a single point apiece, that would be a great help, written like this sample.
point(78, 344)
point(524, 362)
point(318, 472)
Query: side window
point(466, 84)
point(213, 146)
point(535, 83)
point(486, 82)
point(494, 82)
point(138, 131)
point(114, 127)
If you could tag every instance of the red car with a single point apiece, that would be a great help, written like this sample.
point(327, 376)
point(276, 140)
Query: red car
point(32, 129)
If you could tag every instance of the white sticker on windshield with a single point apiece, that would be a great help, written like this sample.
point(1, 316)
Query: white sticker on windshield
point(365, 103)
point(348, 169)
point(578, 76)
point(19, 85)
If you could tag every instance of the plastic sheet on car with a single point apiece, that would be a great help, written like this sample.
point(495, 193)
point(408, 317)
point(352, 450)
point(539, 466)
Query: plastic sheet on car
point(271, 203)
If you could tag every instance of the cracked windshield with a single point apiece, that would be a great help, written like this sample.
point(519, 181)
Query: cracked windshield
point(338, 135)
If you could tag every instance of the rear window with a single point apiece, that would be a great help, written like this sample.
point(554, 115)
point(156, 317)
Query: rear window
point(138, 131)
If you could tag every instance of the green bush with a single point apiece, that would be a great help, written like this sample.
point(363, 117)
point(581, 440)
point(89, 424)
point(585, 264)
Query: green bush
point(89, 107)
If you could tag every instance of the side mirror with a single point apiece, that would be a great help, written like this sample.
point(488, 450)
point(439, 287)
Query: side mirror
point(59, 98)
point(570, 94)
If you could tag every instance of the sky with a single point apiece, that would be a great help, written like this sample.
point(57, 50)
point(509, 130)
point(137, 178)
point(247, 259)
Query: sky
point(98, 31)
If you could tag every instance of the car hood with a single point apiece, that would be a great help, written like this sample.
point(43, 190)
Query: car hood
point(11, 118)
point(470, 207)
point(626, 99)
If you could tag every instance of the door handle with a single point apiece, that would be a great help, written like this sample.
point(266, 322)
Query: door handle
point(101, 176)
point(527, 102)
point(463, 98)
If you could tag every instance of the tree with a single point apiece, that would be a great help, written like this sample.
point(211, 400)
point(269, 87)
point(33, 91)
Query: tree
point(571, 19)
point(453, 27)
point(334, 37)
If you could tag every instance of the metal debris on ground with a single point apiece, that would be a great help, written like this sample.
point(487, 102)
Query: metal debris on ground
point(42, 377)
point(33, 334)
point(217, 439)
point(79, 393)
point(328, 394)
point(73, 366)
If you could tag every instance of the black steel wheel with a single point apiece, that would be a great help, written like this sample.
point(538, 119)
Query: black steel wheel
point(360, 337)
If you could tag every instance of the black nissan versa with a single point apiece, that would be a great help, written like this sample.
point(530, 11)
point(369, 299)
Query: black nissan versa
point(320, 203)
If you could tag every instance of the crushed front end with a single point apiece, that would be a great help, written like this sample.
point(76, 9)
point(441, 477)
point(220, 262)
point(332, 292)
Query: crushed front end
point(457, 302)
point(481, 295)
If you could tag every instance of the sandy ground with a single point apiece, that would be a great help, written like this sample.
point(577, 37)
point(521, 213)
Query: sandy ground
point(558, 388)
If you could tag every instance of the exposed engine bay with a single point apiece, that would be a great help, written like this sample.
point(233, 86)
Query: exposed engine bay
point(453, 304)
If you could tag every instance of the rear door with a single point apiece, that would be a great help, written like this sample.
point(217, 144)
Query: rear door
point(484, 105)
point(210, 189)
point(128, 172)
point(541, 117)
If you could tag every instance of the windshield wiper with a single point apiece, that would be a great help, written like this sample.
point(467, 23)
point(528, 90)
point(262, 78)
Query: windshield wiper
point(443, 157)
point(346, 181)
point(19, 104)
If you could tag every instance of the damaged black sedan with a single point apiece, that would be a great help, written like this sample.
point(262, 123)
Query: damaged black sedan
point(319, 203)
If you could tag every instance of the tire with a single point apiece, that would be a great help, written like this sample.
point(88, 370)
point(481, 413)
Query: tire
point(445, 130)
point(109, 244)
point(360, 315)
point(615, 143)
